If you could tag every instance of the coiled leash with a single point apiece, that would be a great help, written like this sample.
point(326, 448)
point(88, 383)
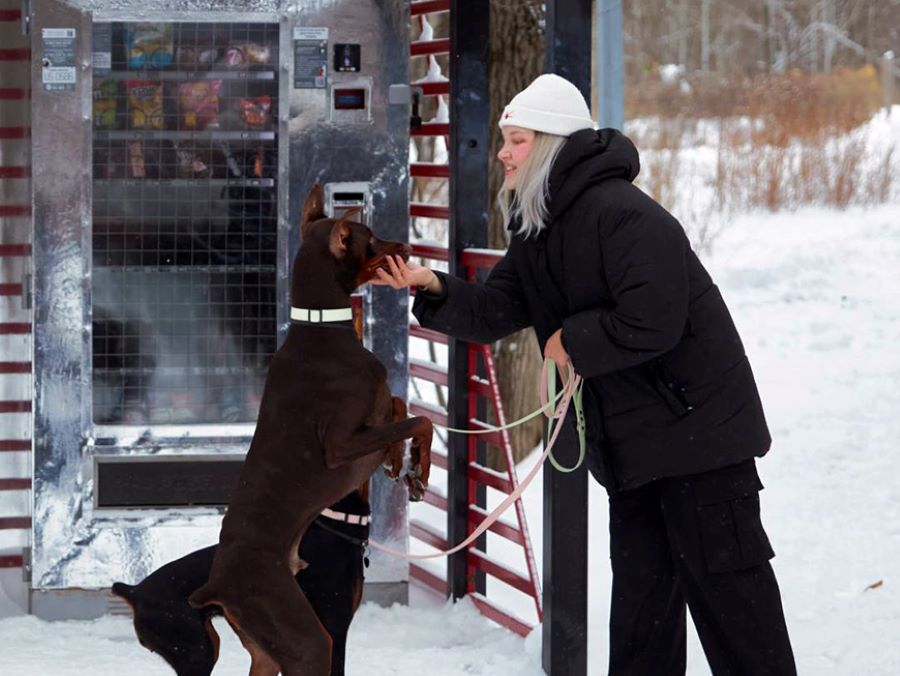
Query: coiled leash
point(549, 397)
point(572, 386)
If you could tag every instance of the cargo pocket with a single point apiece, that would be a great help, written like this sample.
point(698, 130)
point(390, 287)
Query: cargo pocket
point(730, 526)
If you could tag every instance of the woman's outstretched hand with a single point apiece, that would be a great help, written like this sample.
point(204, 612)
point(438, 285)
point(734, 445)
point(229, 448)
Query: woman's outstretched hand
point(403, 274)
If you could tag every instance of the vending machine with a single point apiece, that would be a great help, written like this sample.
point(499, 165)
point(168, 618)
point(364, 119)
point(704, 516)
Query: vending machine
point(173, 146)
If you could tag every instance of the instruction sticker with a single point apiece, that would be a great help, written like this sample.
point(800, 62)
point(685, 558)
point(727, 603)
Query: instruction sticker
point(102, 53)
point(58, 59)
point(310, 58)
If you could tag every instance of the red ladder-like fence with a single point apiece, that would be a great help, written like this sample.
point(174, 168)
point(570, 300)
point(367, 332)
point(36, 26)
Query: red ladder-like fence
point(482, 387)
point(15, 255)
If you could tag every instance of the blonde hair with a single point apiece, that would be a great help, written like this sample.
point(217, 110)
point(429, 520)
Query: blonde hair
point(528, 202)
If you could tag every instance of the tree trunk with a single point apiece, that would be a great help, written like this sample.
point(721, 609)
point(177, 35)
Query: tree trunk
point(517, 57)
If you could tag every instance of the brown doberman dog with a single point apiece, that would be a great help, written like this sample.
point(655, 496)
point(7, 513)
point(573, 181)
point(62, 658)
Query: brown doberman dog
point(334, 548)
point(327, 421)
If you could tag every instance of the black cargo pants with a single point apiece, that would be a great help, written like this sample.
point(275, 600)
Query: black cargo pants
point(697, 540)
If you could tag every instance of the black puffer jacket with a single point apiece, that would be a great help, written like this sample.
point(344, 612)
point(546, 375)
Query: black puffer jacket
point(669, 390)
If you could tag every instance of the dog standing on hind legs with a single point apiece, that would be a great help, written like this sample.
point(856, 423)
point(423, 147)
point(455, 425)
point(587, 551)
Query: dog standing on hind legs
point(327, 420)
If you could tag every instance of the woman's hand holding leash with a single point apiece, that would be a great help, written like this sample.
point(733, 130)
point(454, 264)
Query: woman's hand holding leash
point(554, 350)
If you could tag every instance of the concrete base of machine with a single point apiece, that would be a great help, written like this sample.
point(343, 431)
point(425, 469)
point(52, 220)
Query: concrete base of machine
point(89, 604)
point(386, 593)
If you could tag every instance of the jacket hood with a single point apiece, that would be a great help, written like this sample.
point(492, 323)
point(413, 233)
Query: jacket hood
point(589, 157)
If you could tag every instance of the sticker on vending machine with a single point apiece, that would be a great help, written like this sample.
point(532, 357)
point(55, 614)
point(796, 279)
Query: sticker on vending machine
point(310, 57)
point(58, 59)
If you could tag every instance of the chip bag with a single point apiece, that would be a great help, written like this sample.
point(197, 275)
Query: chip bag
point(105, 94)
point(145, 104)
point(149, 45)
point(255, 112)
point(247, 54)
point(198, 103)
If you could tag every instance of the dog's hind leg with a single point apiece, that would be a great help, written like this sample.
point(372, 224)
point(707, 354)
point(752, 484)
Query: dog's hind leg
point(261, 663)
point(278, 624)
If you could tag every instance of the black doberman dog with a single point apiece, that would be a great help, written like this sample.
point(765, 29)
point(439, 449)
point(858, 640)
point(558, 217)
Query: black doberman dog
point(183, 636)
point(327, 421)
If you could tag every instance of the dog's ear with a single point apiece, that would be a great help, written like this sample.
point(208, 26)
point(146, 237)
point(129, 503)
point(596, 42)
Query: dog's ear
point(340, 238)
point(313, 208)
point(350, 213)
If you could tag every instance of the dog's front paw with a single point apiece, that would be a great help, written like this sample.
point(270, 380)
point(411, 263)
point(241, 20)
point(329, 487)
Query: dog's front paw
point(393, 461)
point(415, 485)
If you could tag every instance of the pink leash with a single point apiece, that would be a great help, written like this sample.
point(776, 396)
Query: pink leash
point(559, 414)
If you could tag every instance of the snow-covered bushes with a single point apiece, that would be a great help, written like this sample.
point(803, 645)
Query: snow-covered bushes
point(773, 142)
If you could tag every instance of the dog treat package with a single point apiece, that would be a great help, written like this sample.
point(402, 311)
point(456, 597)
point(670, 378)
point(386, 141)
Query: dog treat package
point(136, 159)
point(145, 104)
point(189, 163)
point(247, 54)
point(198, 103)
point(197, 58)
point(149, 45)
point(105, 95)
point(255, 113)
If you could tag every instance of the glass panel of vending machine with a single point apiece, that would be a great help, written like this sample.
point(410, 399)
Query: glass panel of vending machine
point(184, 219)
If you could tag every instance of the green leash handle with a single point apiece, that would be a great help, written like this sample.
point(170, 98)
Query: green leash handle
point(548, 385)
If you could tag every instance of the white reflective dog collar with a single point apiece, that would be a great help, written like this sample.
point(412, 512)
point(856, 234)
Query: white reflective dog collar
point(342, 314)
point(355, 519)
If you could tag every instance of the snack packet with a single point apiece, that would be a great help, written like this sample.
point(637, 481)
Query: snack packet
point(145, 104)
point(189, 162)
point(247, 54)
point(149, 45)
point(136, 159)
point(255, 112)
point(192, 57)
point(105, 95)
point(198, 103)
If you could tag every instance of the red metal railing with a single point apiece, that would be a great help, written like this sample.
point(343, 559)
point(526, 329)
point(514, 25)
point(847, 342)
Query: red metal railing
point(484, 387)
point(15, 56)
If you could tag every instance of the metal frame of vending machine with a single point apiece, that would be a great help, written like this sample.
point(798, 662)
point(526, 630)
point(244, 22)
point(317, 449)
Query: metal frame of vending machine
point(172, 152)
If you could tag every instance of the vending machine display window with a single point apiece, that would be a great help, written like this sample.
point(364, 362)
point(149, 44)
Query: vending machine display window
point(184, 241)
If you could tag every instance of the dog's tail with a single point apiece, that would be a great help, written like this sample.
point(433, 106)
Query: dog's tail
point(202, 597)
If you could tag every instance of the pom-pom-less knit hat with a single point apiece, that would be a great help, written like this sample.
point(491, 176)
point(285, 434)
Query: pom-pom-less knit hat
point(550, 104)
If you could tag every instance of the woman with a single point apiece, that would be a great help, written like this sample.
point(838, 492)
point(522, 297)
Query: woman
point(608, 280)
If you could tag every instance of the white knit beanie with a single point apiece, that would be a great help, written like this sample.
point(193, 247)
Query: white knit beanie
point(550, 104)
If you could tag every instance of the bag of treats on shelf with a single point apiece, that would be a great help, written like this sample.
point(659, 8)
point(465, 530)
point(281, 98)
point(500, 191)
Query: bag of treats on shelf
point(189, 162)
point(145, 104)
point(196, 57)
point(149, 45)
point(255, 113)
point(247, 54)
point(198, 104)
point(104, 106)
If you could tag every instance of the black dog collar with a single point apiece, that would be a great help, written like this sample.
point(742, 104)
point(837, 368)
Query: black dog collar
point(362, 543)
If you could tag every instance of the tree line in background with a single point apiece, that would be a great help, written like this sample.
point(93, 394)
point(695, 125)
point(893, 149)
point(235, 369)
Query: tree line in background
point(745, 37)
